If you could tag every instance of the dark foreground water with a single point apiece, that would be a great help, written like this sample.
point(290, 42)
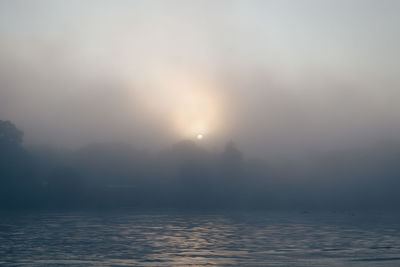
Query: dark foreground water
point(182, 239)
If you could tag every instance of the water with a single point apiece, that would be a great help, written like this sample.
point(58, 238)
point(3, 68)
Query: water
point(182, 239)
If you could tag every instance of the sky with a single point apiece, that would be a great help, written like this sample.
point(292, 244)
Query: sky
point(274, 76)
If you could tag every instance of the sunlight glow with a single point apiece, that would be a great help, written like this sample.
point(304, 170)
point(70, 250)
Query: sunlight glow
point(191, 103)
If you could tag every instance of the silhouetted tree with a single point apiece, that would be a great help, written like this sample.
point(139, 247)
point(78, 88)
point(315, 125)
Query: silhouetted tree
point(18, 179)
point(9, 134)
point(232, 159)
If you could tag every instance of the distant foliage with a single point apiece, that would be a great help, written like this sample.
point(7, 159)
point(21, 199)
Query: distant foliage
point(19, 186)
point(9, 134)
point(189, 176)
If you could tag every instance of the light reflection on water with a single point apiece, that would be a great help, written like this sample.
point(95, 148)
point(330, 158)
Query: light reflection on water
point(244, 239)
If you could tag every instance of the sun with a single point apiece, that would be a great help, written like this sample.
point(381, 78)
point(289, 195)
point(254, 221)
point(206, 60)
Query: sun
point(199, 136)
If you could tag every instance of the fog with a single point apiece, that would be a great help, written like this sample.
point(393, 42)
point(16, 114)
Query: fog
point(306, 90)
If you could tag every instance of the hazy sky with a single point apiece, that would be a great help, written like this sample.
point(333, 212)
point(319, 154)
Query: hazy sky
point(274, 76)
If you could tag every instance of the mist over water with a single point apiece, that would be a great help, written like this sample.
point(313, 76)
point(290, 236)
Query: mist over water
point(113, 95)
point(167, 133)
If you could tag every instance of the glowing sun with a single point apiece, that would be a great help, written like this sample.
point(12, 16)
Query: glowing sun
point(199, 136)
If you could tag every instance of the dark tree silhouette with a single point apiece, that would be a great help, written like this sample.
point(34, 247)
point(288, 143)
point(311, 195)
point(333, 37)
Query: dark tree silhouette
point(9, 134)
point(232, 158)
point(18, 183)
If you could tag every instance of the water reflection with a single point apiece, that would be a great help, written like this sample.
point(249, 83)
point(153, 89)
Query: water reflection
point(128, 239)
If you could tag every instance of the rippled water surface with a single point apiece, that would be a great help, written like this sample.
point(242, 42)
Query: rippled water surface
point(182, 239)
